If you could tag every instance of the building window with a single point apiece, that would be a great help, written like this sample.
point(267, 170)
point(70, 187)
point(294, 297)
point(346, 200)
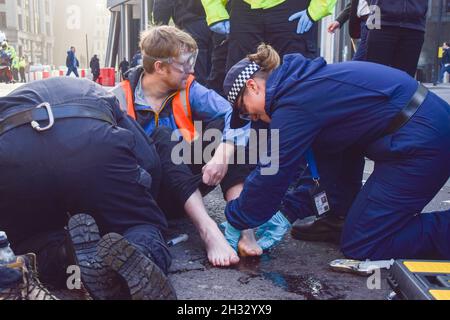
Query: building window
point(20, 22)
point(49, 31)
point(3, 19)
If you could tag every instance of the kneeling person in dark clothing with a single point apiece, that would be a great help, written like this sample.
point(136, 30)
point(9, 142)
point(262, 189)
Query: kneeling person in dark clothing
point(82, 154)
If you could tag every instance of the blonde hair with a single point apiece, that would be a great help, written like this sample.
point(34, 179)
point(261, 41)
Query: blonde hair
point(267, 58)
point(163, 42)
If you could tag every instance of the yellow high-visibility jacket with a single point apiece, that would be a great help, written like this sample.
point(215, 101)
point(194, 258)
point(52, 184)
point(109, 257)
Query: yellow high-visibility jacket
point(216, 11)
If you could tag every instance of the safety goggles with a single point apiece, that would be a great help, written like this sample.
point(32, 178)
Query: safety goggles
point(184, 64)
point(242, 109)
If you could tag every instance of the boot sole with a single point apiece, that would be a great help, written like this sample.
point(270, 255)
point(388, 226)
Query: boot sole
point(145, 279)
point(101, 282)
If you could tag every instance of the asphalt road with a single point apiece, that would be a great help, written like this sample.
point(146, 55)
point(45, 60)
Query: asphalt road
point(293, 271)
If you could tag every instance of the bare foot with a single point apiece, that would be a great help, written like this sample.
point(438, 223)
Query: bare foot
point(248, 247)
point(220, 253)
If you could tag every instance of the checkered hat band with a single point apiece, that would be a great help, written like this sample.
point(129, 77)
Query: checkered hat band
point(241, 80)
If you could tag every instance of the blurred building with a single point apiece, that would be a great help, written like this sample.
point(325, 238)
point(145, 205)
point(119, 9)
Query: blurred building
point(128, 18)
point(28, 26)
point(83, 24)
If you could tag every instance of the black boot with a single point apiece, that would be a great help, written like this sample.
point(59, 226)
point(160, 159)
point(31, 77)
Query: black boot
point(326, 229)
point(144, 278)
point(101, 282)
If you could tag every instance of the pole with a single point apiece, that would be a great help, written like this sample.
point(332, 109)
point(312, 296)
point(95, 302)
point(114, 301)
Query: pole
point(87, 50)
point(438, 41)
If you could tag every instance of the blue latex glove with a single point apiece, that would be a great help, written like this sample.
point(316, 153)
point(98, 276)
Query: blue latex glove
point(222, 27)
point(232, 235)
point(272, 232)
point(304, 23)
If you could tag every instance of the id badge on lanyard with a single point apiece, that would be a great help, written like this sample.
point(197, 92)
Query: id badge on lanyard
point(318, 195)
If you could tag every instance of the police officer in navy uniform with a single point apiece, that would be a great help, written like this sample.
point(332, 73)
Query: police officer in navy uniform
point(382, 114)
point(67, 148)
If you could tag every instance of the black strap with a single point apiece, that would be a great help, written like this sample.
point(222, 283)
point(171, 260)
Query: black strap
point(407, 112)
point(59, 112)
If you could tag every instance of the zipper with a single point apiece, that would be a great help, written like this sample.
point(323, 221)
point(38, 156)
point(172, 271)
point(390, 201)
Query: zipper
point(164, 104)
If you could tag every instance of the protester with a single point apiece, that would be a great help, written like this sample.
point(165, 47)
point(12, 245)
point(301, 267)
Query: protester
point(164, 94)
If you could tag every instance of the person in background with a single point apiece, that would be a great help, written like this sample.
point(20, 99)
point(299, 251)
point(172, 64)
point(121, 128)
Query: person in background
point(398, 41)
point(15, 68)
point(5, 63)
point(22, 69)
point(445, 62)
point(124, 66)
point(72, 62)
point(274, 22)
point(189, 16)
point(136, 60)
point(356, 12)
point(95, 67)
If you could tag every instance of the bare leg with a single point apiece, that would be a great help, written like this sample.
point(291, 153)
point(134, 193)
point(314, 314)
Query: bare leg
point(247, 247)
point(220, 253)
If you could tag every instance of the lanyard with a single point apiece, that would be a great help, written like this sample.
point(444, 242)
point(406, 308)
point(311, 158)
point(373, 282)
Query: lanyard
point(309, 155)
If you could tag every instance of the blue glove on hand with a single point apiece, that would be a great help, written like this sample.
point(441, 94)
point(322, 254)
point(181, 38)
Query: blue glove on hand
point(222, 27)
point(272, 232)
point(304, 24)
point(232, 235)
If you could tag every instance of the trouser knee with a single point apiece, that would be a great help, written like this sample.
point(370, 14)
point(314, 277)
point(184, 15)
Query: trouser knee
point(150, 242)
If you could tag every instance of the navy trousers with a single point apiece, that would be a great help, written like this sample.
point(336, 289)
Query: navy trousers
point(74, 70)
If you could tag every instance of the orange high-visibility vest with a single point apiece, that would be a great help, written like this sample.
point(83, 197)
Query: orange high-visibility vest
point(181, 108)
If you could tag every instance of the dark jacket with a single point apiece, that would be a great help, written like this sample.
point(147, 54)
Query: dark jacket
point(350, 12)
point(95, 65)
point(182, 11)
point(136, 60)
point(124, 66)
point(410, 14)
